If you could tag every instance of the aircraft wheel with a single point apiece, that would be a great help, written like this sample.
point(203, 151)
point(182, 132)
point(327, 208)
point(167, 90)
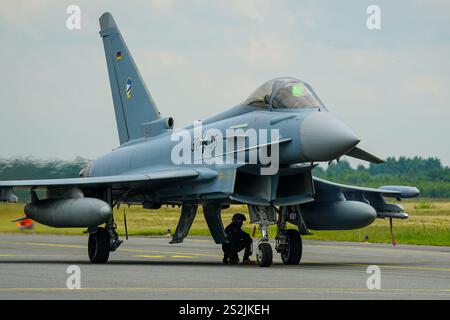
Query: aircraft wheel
point(292, 254)
point(98, 246)
point(264, 255)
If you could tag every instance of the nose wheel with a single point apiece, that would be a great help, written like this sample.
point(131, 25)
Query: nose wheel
point(264, 216)
point(264, 255)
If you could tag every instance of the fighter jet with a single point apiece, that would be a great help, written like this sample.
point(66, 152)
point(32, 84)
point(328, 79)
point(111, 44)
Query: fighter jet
point(259, 153)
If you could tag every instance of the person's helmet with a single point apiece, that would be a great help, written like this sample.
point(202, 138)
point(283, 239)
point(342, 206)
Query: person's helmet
point(238, 218)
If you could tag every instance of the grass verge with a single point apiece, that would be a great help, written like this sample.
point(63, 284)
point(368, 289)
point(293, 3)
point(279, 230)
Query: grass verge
point(429, 224)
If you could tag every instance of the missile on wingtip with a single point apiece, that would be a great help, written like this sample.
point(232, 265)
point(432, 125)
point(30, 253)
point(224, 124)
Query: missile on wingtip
point(405, 191)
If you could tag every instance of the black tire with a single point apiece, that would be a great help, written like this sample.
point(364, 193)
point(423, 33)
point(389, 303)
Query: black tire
point(293, 252)
point(98, 246)
point(264, 256)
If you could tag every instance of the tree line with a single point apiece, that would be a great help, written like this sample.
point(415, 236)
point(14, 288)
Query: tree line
point(429, 175)
point(28, 168)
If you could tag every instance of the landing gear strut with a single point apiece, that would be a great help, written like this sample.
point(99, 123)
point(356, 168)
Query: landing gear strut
point(103, 240)
point(264, 216)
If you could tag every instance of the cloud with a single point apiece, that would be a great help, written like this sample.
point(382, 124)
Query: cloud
point(431, 91)
point(159, 60)
point(201, 57)
point(251, 9)
point(434, 4)
point(162, 6)
point(267, 50)
point(21, 12)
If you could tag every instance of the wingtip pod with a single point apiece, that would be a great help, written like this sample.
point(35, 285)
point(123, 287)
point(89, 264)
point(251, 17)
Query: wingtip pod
point(405, 191)
point(107, 21)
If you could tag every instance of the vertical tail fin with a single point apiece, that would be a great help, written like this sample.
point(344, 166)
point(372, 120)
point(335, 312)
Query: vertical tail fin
point(133, 103)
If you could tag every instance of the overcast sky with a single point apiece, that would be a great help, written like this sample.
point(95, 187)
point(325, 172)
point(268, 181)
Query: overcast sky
point(202, 57)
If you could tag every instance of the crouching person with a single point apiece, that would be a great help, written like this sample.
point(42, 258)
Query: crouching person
point(238, 240)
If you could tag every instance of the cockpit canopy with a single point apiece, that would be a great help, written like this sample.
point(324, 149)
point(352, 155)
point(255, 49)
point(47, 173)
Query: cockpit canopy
point(282, 93)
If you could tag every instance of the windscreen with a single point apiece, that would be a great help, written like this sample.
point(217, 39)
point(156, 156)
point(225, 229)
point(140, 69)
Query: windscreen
point(295, 95)
point(284, 93)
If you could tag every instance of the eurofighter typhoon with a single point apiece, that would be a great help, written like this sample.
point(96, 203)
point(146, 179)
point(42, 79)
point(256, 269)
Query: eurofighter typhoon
point(259, 153)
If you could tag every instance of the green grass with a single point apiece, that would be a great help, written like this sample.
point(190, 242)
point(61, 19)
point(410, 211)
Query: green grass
point(429, 224)
point(425, 205)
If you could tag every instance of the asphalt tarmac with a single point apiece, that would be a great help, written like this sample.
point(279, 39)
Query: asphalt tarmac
point(35, 267)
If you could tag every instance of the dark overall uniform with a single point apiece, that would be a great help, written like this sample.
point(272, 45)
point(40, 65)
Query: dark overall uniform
point(238, 240)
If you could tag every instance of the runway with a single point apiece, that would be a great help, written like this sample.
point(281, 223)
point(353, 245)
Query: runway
point(34, 267)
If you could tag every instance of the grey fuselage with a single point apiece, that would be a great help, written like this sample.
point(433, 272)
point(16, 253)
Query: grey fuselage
point(325, 138)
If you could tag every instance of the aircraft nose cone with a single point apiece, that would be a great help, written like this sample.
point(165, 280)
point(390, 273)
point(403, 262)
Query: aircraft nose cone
point(324, 137)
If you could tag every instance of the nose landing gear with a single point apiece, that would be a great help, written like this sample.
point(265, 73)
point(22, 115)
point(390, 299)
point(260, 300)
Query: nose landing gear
point(263, 216)
point(288, 241)
point(264, 254)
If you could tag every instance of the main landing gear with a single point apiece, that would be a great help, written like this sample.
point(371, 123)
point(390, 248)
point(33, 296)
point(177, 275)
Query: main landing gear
point(291, 252)
point(288, 241)
point(98, 246)
point(102, 241)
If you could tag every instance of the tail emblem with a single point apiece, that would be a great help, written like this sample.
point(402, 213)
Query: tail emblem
point(128, 87)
